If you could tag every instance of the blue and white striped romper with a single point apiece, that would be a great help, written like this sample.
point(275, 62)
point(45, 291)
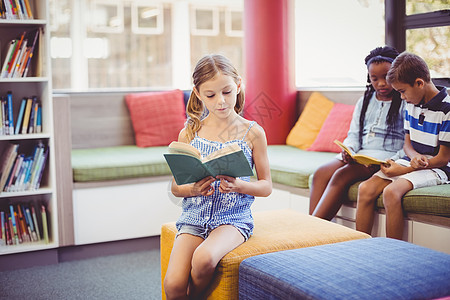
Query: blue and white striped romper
point(209, 212)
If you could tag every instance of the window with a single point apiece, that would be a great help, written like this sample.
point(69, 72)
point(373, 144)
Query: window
point(120, 44)
point(428, 34)
point(332, 38)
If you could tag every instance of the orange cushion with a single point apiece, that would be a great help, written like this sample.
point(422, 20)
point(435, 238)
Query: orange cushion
point(335, 127)
point(308, 125)
point(157, 117)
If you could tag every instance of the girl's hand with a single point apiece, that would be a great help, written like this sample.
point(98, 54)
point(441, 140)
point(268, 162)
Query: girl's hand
point(346, 157)
point(203, 187)
point(419, 162)
point(227, 184)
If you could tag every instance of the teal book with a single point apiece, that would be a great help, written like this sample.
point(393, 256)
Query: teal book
point(187, 166)
point(20, 116)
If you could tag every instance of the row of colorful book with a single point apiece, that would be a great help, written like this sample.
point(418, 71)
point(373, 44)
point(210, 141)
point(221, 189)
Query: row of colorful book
point(16, 10)
point(29, 119)
point(19, 54)
point(23, 224)
point(20, 172)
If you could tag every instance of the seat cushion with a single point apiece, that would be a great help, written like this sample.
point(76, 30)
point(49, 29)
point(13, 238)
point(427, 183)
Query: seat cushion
point(274, 231)
point(434, 200)
point(377, 268)
point(120, 162)
point(292, 166)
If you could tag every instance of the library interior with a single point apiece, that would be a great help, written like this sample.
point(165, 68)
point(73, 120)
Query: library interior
point(92, 92)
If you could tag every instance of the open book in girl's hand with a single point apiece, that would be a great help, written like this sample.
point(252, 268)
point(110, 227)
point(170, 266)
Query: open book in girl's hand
point(360, 158)
point(187, 166)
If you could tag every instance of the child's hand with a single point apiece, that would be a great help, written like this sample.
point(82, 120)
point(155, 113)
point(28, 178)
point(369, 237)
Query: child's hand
point(227, 184)
point(346, 157)
point(203, 187)
point(391, 168)
point(419, 162)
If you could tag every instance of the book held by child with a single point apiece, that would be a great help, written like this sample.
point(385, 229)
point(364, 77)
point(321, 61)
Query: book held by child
point(360, 158)
point(187, 165)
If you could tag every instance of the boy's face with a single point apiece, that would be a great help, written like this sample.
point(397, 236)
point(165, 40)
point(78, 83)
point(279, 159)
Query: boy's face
point(411, 94)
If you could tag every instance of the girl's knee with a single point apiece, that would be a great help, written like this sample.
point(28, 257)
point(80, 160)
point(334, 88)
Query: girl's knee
point(203, 263)
point(174, 288)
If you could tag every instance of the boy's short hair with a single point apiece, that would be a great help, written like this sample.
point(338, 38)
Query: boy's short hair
point(406, 68)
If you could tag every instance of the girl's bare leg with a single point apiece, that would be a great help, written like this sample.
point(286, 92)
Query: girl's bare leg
point(337, 189)
point(176, 281)
point(221, 240)
point(320, 181)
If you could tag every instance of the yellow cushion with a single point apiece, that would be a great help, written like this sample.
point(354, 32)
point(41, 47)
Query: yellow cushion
point(274, 231)
point(308, 125)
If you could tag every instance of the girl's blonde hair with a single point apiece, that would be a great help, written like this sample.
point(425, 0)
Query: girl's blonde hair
point(206, 69)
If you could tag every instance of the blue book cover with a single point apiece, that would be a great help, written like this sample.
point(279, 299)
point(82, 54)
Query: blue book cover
point(39, 120)
point(20, 117)
point(13, 219)
point(10, 113)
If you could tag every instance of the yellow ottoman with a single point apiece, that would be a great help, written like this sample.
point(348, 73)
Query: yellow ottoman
point(274, 231)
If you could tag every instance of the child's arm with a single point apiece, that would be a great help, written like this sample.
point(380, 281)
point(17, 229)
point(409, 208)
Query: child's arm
point(440, 160)
point(202, 187)
point(393, 169)
point(263, 186)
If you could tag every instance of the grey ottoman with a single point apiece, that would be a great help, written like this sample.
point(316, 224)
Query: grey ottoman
point(377, 268)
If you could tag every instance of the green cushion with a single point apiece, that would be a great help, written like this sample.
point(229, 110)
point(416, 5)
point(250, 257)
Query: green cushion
point(432, 200)
point(120, 162)
point(292, 166)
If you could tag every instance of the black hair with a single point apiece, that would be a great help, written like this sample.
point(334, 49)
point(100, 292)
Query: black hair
point(379, 55)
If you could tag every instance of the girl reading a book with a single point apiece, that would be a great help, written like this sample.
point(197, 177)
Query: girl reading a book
point(216, 215)
point(376, 130)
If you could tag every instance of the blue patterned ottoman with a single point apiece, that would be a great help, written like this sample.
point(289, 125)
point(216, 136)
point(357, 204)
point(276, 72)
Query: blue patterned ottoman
point(377, 268)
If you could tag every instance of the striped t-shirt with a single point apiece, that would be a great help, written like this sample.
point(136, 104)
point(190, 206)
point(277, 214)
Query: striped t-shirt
point(428, 125)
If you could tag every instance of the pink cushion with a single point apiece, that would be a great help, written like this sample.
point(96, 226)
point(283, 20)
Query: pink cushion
point(157, 117)
point(335, 127)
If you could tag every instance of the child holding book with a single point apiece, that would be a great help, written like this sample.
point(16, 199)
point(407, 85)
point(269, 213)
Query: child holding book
point(216, 215)
point(427, 146)
point(376, 130)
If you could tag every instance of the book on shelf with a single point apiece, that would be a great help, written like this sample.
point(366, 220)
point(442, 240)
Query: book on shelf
point(29, 118)
point(19, 224)
point(44, 224)
point(9, 54)
point(16, 10)
point(3, 236)
point(21, 172)
point(19, 55)
point(33, 117)
point(20, 116)
point(187, 165)
point(360, 158)
point(36, 224)
point(9, 98)
point(26, 117)
point(8, 159)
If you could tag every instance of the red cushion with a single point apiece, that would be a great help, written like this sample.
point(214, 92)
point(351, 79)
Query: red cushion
point(335, 127)
point(157, 117)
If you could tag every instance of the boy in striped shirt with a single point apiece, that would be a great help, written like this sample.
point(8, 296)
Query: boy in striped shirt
point(427, 146)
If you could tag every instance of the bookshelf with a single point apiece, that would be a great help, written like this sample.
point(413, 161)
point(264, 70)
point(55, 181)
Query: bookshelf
point(36, 83)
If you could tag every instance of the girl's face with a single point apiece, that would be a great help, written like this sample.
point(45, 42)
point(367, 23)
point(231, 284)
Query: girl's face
point(377, 75)
point(219, 95)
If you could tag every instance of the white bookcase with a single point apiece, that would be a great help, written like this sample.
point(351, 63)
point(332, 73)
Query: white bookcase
point(37, 83)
